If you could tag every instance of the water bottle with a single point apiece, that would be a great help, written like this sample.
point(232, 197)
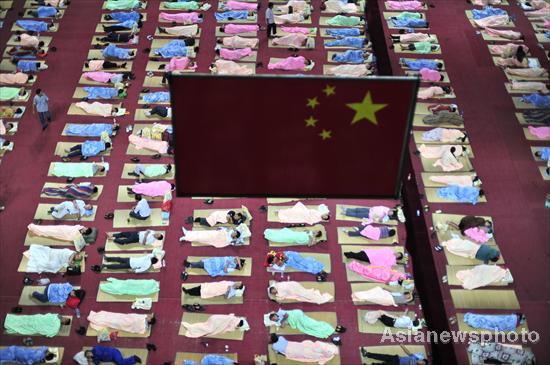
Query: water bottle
point(77, 311)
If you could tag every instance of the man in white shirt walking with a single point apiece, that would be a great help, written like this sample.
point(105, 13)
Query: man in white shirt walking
point(141, 210)
point(136, 264)
point(270, 20)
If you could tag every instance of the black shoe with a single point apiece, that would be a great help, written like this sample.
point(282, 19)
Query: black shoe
point(81, 331)
point(189, 220)
point(17, 309)
point(70, 179)
point(136, 160)
point(151, 347)
point(183, 276)
point(27, 281)
point(186, 263)
point(263, 208)
point(208, 201)
point(137, 359)
point(96, 268)
point(101, 250)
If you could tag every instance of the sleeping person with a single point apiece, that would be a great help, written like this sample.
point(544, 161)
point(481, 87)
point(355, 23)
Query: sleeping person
point(79, 235)
point(304, 351)
point(216, 324)
point(127, 322)
point(298, 63)
point(226, 289)
point(51, 260)
point(29, 356)
point(150, 171)
point(292, 290)
point(60, 294)
point(75, 209)
point(298, 320)
point(78, 169)
point(217, 266)
point(47, 325)
point(86, 149)
point(300, 214)
point(279, 261)
point(290, 236)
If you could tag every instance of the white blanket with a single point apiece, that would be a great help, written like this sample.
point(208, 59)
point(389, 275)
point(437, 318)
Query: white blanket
point(46, 259)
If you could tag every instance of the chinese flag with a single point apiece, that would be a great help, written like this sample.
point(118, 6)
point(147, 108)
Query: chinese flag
point(290, 136)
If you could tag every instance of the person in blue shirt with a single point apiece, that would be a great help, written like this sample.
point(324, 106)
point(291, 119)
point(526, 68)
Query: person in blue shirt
point(141, 210)
point(385, 359)
point(40, 105)
point(99, 354)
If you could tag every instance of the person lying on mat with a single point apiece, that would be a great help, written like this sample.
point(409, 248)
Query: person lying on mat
point(35, 25)
point(220, 217)
point(406, 5)
point(376, 214)
point(125, 4)
point(434, 91)
point(480, 276)
point(47, 325)
point(232, 54)
point(420, 47)
point(137, 265)
point(351, 42)
point(15, 78)
point(59, 294)
point(390, 320)
point(25, 52)
point(186, 5)
point(183, 18)
point(279, 261)
point(371, 232)
point(225, 67)
point(293, 17)
point(461, 194)
point(77, 169)
point(293, 290)
point(145, 238)
point(305, 351)
point(7, 128)
point(102, 354)
point(349, 70)
point(44, 12)
point(78, 234)
point(298, 320)
point(290, 236)
point(217, 266)
point(101, 109)
point(117, 53)
point(77, 208)
point(161, 111)
point(83, 190)
point(387, 257)
point(141, 210)
point(99, 92)
point(215, 324)
point(119, 80)
point(13, 94)
point(235, 15)
point(419, 64)
point(467, 248)
point(409, 22)
point(151, 170)
point(417, 358)
point(494, 322)
point(29, 356)
point(492, 352)
point(227, 289)
point(52, 260)
point(122, 16)
point(211, 359)
point(132, 25)
point(29, 66)
point(221, 237)
point(127, 322)
point(236, 5)
point(97, 65)
point(11, 112)
point(353, 56)
point(152, 189)
point(28, 40)
point(300, 214)
point(181, 30)
point(126, 38)
point(530, 86)
point(444, 135)
point(504, 34)
point(527, 72)
point(238, 42)
point(294, 40)
point(346, 21)
point(86, 149)
point(54, 3)
point(380, 296)
point(178, 48)
point(338, 7)
point(380, 273)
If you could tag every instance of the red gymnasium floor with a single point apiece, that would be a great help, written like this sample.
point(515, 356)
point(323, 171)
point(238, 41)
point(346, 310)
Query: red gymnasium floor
point(515, 189)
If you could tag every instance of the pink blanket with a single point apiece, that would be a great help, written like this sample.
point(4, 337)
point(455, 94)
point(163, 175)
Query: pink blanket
point(238, 5)
point(506, 34)
point(527, 72)
point(492, 21)
point(299, 213)
point(511, 62)
point(379, 274)
point(437, 151)
point(216, 324)
point(477, 234)
point(295, 30)
point(430, 75)
point(183, 30)
point(371, 232)
point(348, 70)
point(375, 295)
point(337, 7)
point(148, 144)
point(289, 64)
point(507, 50)
point(309, 351)
point(29, 40)
point(240, 42)
point(178, 63)
point(540, 13)
point(405, 5)
point(185, 18)
point(96, 108)
point(218, 216)
point(429, 92)
point(486, 2)
point(17, 78)
point(235, 54)
point(216, 238)
point(215, 289)
point(241, 28)
point(533, 86)
point(294, 40)
point(292, 290)
point(96, 65)
point(154, 188)
point(547, 24)
point(480, 276)
point(414, 37)
point(98, 76)
point(540, 132)
point(460, 180)
point(381, 256)
point(225, 67)
point(131, 322)
point(59, 232)
point(461, 247)
point(298, 6)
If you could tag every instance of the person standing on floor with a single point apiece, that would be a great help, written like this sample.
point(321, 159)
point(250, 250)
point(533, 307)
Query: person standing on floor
point(270, 20)
point(40, 104)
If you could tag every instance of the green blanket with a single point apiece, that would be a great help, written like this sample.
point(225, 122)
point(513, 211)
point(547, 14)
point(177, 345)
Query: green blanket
point(287, 235)
point(154, 170)
point(122, 4)
point(347, 21)
point(73, 169)
point(409, 15)
point(187, 5)
point(423, 47)
point(130, 287)
point(31, 325)
point(8, 93)
point(298, 320)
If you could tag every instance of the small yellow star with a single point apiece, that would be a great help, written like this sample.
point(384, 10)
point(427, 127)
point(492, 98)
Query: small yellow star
point(311, 122)
point(325, 134)
point(329, 90)
point(312, 103)
point(366, 109)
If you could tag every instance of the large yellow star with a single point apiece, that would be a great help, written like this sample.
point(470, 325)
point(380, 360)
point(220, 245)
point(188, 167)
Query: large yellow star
point(366, 110)
point(329, 90)
point(312, 103)
point(311, 122)
point(325, 134)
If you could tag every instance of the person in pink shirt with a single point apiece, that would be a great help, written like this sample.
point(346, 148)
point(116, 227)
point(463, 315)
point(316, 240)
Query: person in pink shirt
point(405, 5)
point(184, 18)
point(294, 40)
point(181, 30)
point(233, 54)
point(371, 232)
point(239, 28)
point(238, 42)
point(512, 62)
point(238, 5)
point(472, 222)
point(16, 78)
point(299, 63)
point(380, 274)
point(225, 67)
point(492, 21)
point(98, 65)
point(148, 144)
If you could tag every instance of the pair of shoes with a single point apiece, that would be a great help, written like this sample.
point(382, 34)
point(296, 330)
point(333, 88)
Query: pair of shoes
point(136, 160)
point(96, 268)
point(109, 215)
point(189, 220)
point(183, 276)
point(186, 263)
point(151, 347)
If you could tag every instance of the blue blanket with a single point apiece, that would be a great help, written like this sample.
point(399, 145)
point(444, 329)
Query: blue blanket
point(409, 23)
point(97, 92)
point(540, 101)
point(347, 42)
point(27, 66)
point(156, 97)
point(487, 12)
point(110, 354)
point(492, 322)
point(128, 24)
point(231, 15)
point(461, 194)
point(420, 64)
point(175, 48)
point(349, 32)
point(58, 293)
point(545, 153)
point(46, 11)
point(349, 56)
point(23, 355)
point(214, 265)
point(122, 16)
point(112, 51)
point(92, 148)
point(32, 25)
point(89, 130)
point(305, 264)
